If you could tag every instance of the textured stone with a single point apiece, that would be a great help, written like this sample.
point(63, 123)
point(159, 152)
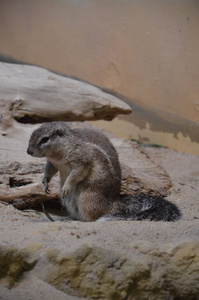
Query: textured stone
point(100, 274)
point(141, 260)
point(13, 262)
point(105, 275)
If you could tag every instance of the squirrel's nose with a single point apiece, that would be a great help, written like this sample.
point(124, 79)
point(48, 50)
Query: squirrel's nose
point(30, 150)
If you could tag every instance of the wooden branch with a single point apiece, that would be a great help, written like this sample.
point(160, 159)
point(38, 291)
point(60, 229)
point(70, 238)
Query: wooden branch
point(32, 95)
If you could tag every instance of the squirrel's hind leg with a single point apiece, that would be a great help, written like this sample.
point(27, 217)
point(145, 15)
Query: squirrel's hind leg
point(92, 205)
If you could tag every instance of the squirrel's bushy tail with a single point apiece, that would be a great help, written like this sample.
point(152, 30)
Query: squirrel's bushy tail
point(144, 207)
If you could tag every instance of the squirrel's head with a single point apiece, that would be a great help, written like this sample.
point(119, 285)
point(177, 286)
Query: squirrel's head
point(46, 140)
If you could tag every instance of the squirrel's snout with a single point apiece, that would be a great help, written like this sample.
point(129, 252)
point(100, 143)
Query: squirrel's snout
point(30, 151)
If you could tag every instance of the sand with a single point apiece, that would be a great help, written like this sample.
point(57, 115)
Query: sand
point(22, 229)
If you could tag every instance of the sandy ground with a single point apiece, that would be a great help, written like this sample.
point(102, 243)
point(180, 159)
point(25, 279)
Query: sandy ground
point(21, 229)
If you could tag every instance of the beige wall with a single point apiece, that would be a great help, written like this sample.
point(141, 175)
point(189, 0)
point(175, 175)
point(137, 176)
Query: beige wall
point(146, 51)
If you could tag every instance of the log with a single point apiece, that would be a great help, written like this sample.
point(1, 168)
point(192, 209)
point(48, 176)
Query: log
point(31, 95)
point(20, 184)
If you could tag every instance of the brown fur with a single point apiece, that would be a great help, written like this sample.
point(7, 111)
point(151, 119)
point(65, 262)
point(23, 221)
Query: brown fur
point(90, 176)
point(88, 164)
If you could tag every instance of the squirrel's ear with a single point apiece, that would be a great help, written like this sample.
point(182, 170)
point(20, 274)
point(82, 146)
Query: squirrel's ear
point(60, 132)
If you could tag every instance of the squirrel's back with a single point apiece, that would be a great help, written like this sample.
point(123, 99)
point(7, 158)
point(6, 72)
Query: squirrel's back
point(99, 139)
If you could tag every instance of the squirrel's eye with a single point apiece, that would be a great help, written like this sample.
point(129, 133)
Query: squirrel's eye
point(44, 140)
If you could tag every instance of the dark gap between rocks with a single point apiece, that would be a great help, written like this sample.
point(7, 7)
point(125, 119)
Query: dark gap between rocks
point(18, 182)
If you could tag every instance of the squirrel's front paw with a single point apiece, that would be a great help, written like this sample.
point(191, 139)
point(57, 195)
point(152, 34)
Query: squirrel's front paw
point(45, 184)
point(65, 191)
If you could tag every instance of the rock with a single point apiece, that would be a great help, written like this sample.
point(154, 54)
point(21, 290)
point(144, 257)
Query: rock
point(68, 259)
point(101, 274)
point(14, 262)
point(95, 273)
point(33, 288)
point(139, 172)
point(31, 94)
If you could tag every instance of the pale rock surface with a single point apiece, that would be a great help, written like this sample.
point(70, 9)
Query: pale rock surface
point(100, 260)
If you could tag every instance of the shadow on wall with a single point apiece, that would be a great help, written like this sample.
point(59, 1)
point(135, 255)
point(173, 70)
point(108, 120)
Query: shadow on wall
point(143, 116)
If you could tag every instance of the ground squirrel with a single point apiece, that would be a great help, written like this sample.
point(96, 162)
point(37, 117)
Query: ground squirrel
point(90, 176)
